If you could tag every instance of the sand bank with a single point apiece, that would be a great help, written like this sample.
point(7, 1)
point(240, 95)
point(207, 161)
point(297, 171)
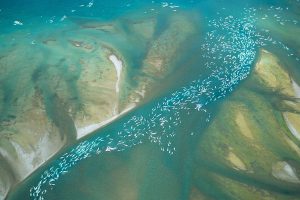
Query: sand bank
point(283, 171)
point(291, 127)
point(296, 88)
point(81, 132)
point(271, 74)
point(236, 161)
point(118, 66)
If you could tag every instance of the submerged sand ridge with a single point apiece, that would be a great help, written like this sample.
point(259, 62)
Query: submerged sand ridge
point(225, 157)
point(95, 114)
point(272, 75)
point(242, 144)
point(164, 48)
point(283, 171)
point(247, 137)
point(47, 106)
point(74, 82)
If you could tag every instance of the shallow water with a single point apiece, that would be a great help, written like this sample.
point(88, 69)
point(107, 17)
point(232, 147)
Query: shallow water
point(152, 152)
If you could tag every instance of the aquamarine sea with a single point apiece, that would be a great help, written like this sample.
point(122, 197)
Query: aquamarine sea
point(152, 152)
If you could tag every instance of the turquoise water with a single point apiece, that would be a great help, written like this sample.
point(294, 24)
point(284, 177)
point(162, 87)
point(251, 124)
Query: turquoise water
point(151, 152)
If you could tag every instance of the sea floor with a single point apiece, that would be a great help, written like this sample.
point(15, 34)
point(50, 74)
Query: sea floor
point(150, 100)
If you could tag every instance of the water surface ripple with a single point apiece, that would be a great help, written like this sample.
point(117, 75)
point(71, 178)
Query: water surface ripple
point(230, 47)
